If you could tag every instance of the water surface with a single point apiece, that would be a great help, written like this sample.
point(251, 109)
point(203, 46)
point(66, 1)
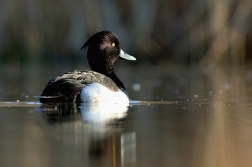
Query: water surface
point(182, 118)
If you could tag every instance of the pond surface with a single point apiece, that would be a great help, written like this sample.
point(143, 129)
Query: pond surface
point(180, 118)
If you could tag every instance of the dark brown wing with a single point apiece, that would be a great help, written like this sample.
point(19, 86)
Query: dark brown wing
point(66, 88)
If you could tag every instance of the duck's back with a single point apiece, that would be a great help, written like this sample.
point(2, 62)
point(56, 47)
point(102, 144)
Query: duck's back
point(67, 87)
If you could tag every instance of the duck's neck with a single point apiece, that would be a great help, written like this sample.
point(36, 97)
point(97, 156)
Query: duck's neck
point(108, 70)
point(117, 81)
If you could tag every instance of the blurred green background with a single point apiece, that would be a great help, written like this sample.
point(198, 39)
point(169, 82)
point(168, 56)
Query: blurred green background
point(42, 38)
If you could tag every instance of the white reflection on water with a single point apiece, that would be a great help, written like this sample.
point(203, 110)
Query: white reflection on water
point(102, 113)
point(128, 149)
point(101, 126)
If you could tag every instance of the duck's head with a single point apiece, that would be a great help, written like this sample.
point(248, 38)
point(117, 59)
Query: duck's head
point(103, 50)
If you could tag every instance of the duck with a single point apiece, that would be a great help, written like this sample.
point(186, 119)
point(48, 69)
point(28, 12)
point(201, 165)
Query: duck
point(98, 85)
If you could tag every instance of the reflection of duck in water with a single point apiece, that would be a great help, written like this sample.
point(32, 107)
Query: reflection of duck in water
point(99, 85)
point(103, 113)
point(92, 113)
point(101, 121)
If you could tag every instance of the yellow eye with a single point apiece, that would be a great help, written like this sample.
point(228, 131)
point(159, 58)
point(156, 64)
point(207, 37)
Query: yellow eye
point(113, 44)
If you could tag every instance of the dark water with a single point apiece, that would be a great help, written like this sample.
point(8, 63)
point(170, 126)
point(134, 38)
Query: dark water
point(183, 117)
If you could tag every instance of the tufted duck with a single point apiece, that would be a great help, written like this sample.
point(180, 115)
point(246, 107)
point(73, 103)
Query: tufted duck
point(93, 86)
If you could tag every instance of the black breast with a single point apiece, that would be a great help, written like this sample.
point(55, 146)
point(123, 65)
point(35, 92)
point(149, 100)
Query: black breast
point(67, 87)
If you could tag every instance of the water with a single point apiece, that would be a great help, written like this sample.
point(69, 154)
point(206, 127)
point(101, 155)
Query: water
point(180, 118)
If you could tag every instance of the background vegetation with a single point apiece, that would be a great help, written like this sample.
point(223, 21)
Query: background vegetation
point(188, 31)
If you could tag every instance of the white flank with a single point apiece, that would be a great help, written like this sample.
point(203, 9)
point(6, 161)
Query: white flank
point(97, 93)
